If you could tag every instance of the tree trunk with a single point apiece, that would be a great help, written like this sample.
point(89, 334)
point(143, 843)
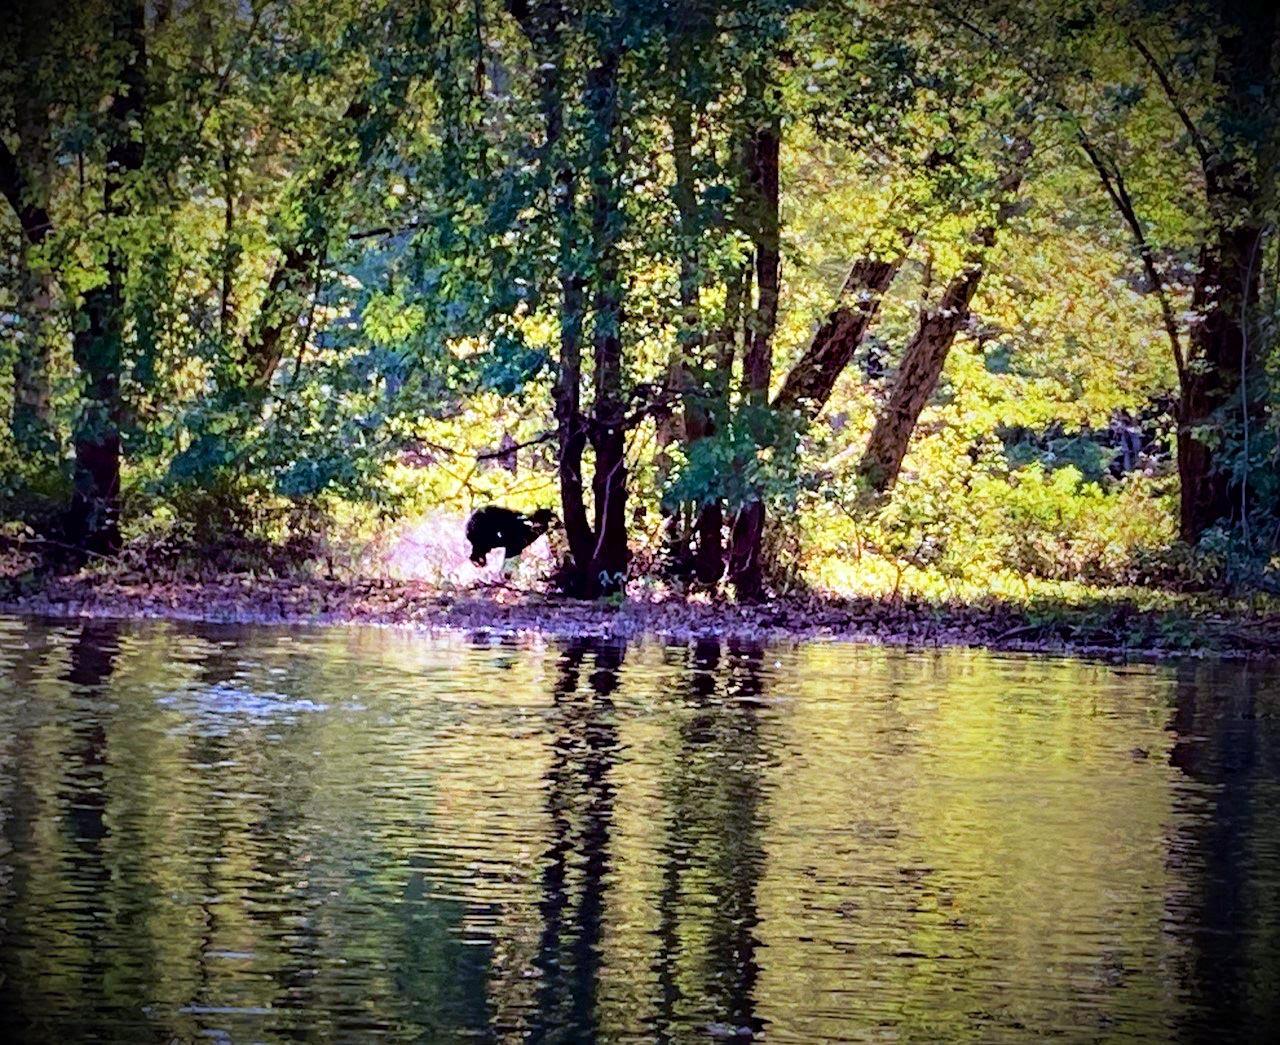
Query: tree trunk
point(26, 181)
point(93, 522)
point(610, 556)
point(571, 430)
point(708, 555)
point(916, 380)
point(670, 431)
point(230, 249)
point(682, 371)
point(926, 355)
point(1226, 287)
point(746, 568)
point(757, 362)
point(542, 26)
point(810, 381)
point(746, 551)
point(32, 422)
point(294, 278)
point(360, 131)
point(700, 422)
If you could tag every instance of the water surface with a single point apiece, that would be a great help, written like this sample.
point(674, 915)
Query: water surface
point(253, 834)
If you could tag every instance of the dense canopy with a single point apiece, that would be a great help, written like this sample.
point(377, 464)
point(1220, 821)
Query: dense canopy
point(752, 293)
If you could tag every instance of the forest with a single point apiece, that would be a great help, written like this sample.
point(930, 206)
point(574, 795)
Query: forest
point(880, 297)
point(776, 345)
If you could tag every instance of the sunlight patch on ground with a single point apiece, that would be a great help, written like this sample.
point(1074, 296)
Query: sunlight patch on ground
point(433, 547)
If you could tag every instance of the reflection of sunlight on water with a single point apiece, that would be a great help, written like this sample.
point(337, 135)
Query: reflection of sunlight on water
point(240, 833)
point(434, 548)
point(218, 707)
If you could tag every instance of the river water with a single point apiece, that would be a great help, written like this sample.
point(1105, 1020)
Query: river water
point(265, 834)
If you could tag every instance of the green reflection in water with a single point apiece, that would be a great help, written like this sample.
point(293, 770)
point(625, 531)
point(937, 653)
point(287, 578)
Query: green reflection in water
point(267, 834)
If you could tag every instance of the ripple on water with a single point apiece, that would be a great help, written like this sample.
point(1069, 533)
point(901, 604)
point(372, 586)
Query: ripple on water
point(250, 833)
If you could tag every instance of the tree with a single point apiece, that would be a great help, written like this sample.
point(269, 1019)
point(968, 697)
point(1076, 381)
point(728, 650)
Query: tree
point(926, 354)
point(1225, 293)
point(745, 563)
point(25, 181)
point(607, 567)
point(93, 522)
point(590, 290)
point(544, 25)
point(1218, 91)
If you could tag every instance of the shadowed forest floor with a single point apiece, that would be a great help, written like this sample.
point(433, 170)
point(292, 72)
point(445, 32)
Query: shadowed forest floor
point(1149, 625)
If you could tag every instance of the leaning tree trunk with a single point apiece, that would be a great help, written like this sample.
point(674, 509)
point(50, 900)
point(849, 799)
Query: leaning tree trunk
point(916, 380)
point(1226, 287)
point(297, 273)
point(746, 566)
point(93, 522)
point(809, 383)
point(926, 355)
point(359, 133)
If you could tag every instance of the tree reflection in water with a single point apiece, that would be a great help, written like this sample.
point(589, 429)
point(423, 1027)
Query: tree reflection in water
point(84, 797)
point(1226, 846)
point(712, 858)
point(260, 834)
point(584, 746)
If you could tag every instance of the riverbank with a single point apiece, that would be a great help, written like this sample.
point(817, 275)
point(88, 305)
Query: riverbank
point(1159, 627)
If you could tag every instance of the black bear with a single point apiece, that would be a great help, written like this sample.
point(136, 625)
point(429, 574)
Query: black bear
point(495, 527)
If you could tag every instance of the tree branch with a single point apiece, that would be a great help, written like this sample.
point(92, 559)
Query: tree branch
point(490, 455)
point(1170, 91)
point(277, 313)
point(1113, 181)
